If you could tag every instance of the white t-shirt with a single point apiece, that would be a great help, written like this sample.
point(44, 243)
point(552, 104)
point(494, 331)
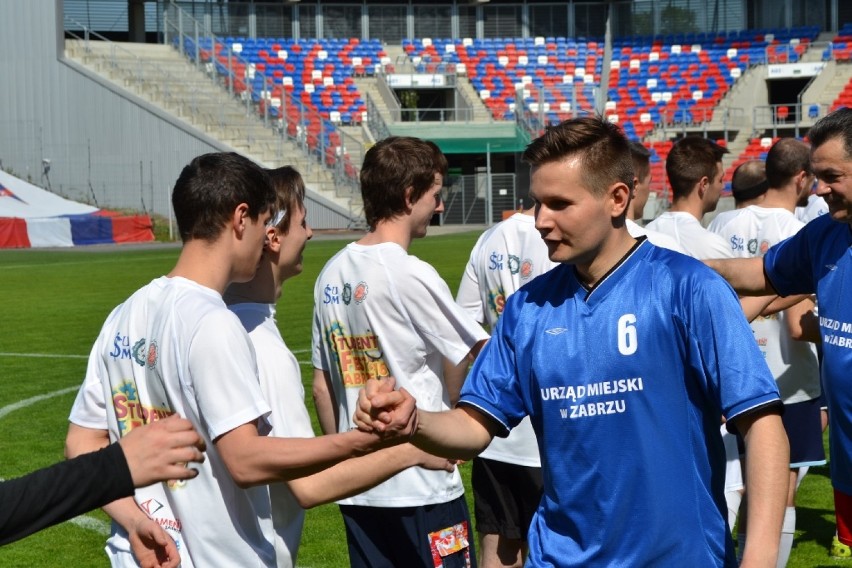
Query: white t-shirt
point(697, 241)
point(281, 383)
point(794, 364)
point(815, 208)
point(656, 238)
point(380, 312)
point(506, 256)
point(173, 347)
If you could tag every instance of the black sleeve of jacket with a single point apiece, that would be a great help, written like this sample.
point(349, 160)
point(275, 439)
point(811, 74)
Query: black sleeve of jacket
point(62, 491)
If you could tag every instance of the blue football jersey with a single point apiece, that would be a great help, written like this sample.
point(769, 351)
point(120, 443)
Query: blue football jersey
point(626, 385)
point(818, 259)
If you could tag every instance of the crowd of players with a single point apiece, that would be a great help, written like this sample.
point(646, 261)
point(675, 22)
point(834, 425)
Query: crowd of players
point(624, 405)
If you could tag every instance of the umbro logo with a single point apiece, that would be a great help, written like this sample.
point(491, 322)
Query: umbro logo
point(831, 266)
point(556, 330)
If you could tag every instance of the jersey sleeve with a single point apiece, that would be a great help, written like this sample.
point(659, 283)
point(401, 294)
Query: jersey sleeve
point(469, 297)
point(721, 348)
point(90, 406)
point(788, 265)
point(492, 386)
point(319, 354)
point(224, 372)
point(434, 312)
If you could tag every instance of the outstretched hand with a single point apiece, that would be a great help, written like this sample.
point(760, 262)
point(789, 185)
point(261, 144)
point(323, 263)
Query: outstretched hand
point(152, 546)
point(388, 412)
point(161, 450)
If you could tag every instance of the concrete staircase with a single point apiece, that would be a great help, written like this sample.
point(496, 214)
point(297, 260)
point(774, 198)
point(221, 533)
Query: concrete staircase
point(161, 76)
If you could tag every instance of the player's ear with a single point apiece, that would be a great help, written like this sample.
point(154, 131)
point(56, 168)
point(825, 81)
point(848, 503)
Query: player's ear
point(409, 202)
point(703, 184)
point(618, 195)
point(273, 240)
point(240, 218)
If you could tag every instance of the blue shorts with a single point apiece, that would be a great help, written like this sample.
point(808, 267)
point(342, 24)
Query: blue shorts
point(438, 536)
point(804, 430)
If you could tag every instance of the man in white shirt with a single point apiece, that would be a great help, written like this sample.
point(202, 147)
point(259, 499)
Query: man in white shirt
point(694, 168)
point(506, 477)
point(380, 312)
point(281, 380)
point(783, 336)
point(174, 348)
point(641, 189)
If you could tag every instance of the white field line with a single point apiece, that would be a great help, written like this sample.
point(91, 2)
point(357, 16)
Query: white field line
point(33, 400)
point(55, 356)
point(92, 524)
point(43, 355)
point(85, 522)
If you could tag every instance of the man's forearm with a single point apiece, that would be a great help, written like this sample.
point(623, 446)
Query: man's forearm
point(767, 477)
point(460, 433)
point(745, 275)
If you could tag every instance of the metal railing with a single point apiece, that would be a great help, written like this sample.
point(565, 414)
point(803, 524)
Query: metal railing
point(467, 200)
point(787, 116)
point(315, 134)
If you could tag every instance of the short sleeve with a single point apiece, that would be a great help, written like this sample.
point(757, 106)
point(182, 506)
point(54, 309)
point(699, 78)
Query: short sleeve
point(433, 311)
point(788, 265)
point(469, 296)
point(89, 409)
point(722, 349)
point(492, 385)
point(224, 374)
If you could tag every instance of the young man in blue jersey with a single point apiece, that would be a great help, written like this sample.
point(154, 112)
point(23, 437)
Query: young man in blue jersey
point(625, 357)
point(817, 260)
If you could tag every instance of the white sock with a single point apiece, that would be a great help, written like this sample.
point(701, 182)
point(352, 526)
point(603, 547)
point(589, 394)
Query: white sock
point(733, 499)
point(803, 471)
point(788, 531)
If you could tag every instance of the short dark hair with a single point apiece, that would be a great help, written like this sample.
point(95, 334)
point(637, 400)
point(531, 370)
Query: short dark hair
point(690, 159)
point(641, 159)
point(393, 165)
point(211, 187)
point(749, 180)
point(290, 189)
point(837, 123)
point(601, 145)
point(785, 159)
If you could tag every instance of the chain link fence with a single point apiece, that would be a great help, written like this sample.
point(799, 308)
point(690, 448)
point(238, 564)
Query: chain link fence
point(468, 201)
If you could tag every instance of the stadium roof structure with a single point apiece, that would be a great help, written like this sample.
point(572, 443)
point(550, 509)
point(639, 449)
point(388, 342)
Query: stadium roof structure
point(467, 138)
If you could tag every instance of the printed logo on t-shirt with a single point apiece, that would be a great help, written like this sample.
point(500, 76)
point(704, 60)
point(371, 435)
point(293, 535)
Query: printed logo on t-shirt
point(495, 261)
point(121, 348)
point(514, 264)
point(129, 409)
point(331, 294)
point(347, 293)
point(359, 357)
point(153, 354)
point(764, 246)
point(752, 246)
point(526, 268)
point(497, 300)
point(360, 293)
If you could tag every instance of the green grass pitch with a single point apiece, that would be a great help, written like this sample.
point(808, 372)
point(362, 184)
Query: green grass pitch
point(53, 304)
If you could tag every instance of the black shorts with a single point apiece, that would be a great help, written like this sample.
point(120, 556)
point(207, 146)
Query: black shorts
point(804, 430)
point(505, 497)
point(437, 536)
